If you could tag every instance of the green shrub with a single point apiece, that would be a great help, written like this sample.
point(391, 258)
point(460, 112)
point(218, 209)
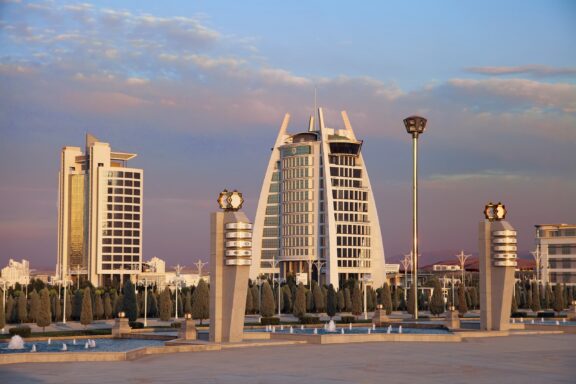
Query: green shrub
point(22, 331)
point(519, 314)
point(546, 314)
point(136, 324)
point(270, 320)
point(347, 319)
point(307, 319)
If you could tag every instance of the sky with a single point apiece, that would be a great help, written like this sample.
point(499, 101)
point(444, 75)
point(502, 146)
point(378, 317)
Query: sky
point(199, 89)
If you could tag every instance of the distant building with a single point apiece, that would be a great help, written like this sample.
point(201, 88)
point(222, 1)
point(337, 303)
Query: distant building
point(99, 214)
point(154, 271)
point(16, 272)
point(557, 246)
point(316, 215)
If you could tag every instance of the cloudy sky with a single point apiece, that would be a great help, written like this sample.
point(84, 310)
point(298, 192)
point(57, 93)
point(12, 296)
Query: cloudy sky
point(199, 88)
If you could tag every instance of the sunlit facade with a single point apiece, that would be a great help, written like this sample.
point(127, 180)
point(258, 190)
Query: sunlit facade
point(316, 216)
point(557, 246)
point(99, 214)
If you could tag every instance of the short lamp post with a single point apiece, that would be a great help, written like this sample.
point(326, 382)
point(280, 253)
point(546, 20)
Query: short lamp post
point(366, 279)
point(415, 126)
point(462, 258)
point(145, 282)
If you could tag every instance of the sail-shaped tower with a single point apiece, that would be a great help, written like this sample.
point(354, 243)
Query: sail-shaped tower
point(316, 215)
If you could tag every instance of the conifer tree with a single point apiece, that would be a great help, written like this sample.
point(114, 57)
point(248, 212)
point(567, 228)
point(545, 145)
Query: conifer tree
point(201, 301)
point(166, 304)
point(22, 308)
point(410, 303)
point(98, 307)
point(386, 299)
point(10, 310)
point(347, 299)
point(318, 299)
point(44, 317)
point(249, 301)
point(86, 316)
point(514, 306)
point(309, 301)
point(535, 298)
point(107, 306)
point(286, 299)
point(299, 308)
point(130, 307)
point(188, 302)
point(57, 310)
point(68, 306)
point(340, 301)
point(548, 297)
point(34, 311)
point(356, 299)
point(255, 299)
point(267, 307)
point(2, 315)
point(437, 301)
point(153, 305)
point(395, 298)
point(558, 298)
point(77, 305)
point(462, 303)
point(331, 302)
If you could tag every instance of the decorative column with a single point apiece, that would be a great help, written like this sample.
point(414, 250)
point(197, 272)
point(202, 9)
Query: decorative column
point(497, 258)
point(230, 260)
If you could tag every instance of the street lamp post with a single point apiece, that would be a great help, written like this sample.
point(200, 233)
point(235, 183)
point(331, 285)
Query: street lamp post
point(415, 126)
point(276, 264)
point(366, 279)
point(178, 268)
point(406, 262)
point(3, 282)
point(462, 259)
point(145, 282)
point(65, 284)
point(538, 259)
point(310, 262)
point(319, 265)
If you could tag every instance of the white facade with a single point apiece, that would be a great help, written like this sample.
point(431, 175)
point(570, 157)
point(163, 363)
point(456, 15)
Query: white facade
point(316, 210)
point(16, 272)
point(556, 244)
point(99, 215)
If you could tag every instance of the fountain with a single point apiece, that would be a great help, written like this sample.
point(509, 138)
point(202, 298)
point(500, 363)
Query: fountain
point(273, 329)
point(532, 322)
point(541, 319)
point(74, 342)
point(301, 327)
point(400, 329)
point(33, 348)
point(291, 330)
point(369, 330)
point(64, 347)
point(373, 327)
point(49, 341)
point(513, 321)
point(521, 319)
point(350, 326)
point(87, 345)
point(93, 343)
point(563, 320)
point(331, 326)
point(342, 331)
point(315, 331)
point(281, 327)
point(16, 342)
point(389, 329)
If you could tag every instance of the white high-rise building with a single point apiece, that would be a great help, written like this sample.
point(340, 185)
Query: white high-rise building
point(99, 214)
point(316, 211)
point(556, 244)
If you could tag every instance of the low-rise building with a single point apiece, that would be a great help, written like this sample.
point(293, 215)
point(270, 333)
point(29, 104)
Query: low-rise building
point(556, 246)
point(16, 272)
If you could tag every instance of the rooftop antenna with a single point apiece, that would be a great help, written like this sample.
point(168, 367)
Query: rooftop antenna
point(311, 124)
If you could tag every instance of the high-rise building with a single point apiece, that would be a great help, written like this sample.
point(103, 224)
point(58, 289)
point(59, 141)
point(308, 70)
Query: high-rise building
point(556, 244)
point(99, 214)
point(316, 215)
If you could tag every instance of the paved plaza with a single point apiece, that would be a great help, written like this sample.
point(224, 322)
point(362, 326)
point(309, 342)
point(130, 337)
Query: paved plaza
point(514, 359)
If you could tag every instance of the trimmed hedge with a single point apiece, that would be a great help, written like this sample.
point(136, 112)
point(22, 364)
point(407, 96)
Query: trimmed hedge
point(175, 325)
point(270, 321)
point(546, 314)
point(519, 314)
point(22, 331)
point(308, 319)
point(136, 324)
point(347, 319)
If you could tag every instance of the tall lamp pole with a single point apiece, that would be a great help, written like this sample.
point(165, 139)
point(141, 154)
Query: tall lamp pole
point(178, 268)
point(406, 264)
point(415, 126)
point(538, 259)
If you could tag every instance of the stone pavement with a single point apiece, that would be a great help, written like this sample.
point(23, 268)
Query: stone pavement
point(510, 360)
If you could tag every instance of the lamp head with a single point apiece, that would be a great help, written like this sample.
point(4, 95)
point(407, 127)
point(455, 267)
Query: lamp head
point(415, 125)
